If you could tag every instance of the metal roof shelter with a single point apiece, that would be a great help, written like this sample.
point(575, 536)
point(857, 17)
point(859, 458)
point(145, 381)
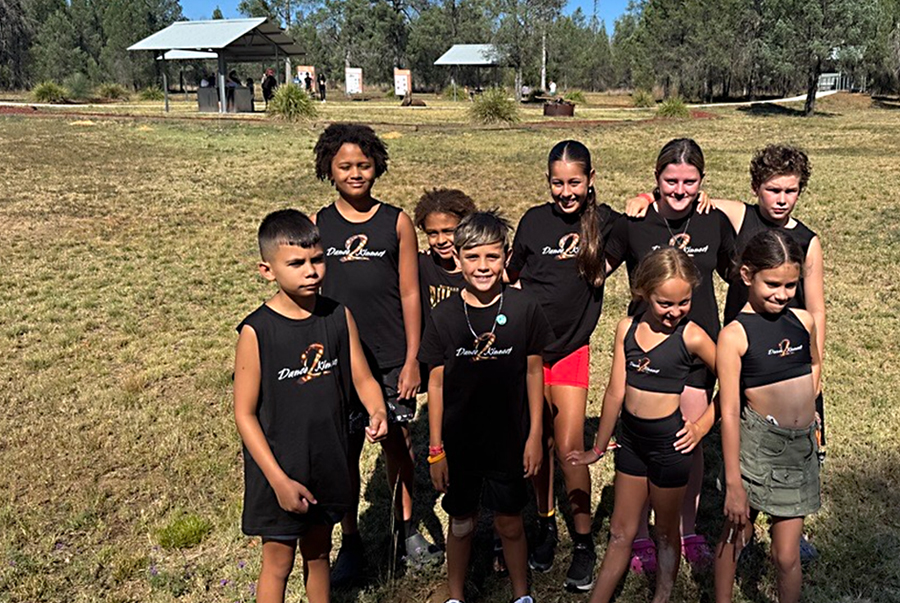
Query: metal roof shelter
point(480, 55)
point(231, 40)
point(469, 55)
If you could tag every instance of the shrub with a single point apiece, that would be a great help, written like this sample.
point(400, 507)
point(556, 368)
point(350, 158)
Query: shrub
point(183, 532)
point(151, 94)
point(673, 107)
point(111, 91)
point(576, 96)
point(79, 86)
point(292, 103)
point(49, 92)
point(447, 93)
point(494, 106)
point(643, 98)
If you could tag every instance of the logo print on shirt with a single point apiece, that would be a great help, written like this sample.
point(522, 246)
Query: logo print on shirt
point(438, 293)
point(643, 366)
point(312, 365)
point(483, 345)
point(567, 247)
point(784, 349)
point(354, 254)
point(680, 241)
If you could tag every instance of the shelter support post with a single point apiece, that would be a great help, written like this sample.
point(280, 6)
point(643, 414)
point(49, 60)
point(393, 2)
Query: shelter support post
point(221, 80)
point(165, 87)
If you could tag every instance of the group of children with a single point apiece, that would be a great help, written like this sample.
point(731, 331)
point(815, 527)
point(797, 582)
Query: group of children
point(499, 336)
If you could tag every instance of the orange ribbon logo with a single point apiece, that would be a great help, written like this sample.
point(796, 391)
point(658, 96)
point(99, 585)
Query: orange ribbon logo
point(483, 345)
point(310, 359)
point(569, 246)
point(355, 245)
point(680, 241)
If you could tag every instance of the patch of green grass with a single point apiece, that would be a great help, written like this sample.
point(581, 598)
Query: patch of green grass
point(184, 531)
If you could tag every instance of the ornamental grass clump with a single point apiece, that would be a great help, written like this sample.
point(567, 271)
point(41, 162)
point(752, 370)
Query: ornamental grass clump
point(673, 107)
point(576, 96)
point(494, 106)
point(49, 92)
point(292, 103)
point(642, 98)
point(111, 91)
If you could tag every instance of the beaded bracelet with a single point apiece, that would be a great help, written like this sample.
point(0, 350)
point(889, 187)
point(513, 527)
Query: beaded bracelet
point(437, 458)
point(435, 450)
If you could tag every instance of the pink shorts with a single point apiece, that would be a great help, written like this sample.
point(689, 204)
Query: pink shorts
point(572, 370)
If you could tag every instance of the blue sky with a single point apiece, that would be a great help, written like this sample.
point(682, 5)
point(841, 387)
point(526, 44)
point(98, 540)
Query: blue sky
point(608, 10)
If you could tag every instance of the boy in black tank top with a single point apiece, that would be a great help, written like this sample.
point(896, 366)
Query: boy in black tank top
point(296, 357)
point(371, 253)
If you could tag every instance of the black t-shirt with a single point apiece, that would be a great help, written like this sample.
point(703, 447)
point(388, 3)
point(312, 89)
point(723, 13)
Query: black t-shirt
point(707, 238)
point(302, 410)
point(436, 284)
point(545, 253)
point(753, 224)
point(486, 417)
point(362, 261)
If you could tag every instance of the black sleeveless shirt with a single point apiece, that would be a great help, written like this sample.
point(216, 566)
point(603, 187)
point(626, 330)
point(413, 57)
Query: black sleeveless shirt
point(362, 261)
point(664, 368)
point(777, 348)
point(753, 224)
point(436, 284)
point(302, 410)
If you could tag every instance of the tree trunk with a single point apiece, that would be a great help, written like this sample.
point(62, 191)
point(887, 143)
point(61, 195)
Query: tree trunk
point(812, 86)
point(544, 59)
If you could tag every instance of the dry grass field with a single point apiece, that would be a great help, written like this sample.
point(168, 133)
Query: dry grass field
point(129, 257)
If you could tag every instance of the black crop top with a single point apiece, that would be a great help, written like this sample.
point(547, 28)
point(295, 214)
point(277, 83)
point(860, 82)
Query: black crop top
point(664, 368)
point(777, 348)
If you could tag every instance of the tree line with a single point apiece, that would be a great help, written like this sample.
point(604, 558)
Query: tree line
point(698, 49)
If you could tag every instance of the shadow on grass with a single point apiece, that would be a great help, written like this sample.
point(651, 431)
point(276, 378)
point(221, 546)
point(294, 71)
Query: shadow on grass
point(775, 110)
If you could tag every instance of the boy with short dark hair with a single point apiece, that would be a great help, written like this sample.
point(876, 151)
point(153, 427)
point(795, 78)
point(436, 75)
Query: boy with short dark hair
point(296, 356)
point(485, 398)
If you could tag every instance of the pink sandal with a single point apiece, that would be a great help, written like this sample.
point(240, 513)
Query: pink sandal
point(697, 551)
point(643, 556)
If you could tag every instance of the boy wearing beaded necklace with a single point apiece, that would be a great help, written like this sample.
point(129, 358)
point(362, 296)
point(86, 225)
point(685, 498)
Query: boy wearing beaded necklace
point(485, 398)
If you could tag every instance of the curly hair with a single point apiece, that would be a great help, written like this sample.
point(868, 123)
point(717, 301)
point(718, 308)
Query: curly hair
point(779, 160)
point(443, 201)
point(336, 135)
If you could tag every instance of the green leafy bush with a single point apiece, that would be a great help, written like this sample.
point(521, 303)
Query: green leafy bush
point(79, 86)
point(643, 98)
point(49, 92)
point(151, 94)
point(292, 103)
point(673, 107)
point(186, 530)
point(111, 91)
point(494, 106)
point(576, 96)
point(447, 93)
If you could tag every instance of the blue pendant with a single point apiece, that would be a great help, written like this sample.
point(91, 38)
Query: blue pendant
point(501, 319)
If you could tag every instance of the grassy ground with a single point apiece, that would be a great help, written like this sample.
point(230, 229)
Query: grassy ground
point(130, 257)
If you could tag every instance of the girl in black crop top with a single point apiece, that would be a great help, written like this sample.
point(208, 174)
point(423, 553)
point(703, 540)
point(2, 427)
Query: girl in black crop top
point(371, 254)
point(674, 220)
point(768, 373)
point(652, 357)
point(558, 258)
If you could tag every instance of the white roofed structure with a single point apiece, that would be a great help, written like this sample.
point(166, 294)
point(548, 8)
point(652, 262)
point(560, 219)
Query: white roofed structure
point(477, 55)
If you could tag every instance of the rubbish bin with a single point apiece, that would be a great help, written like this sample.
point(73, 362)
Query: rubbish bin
point(559, 109)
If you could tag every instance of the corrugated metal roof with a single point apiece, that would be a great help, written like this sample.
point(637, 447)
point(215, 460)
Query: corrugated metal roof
point(186, 55)
point(470, 54)
point(235, 39)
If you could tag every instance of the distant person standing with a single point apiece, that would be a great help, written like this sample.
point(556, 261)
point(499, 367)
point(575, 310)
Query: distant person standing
point(307, 82)
point(321, 83)
point(551, 88)
point(268, 85)
point(252, 92)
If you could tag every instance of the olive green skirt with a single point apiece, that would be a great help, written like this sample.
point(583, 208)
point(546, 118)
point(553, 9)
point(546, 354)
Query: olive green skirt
point(779, 467)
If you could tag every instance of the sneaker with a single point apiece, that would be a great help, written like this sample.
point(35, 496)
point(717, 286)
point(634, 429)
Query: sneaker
point(643, 556)
point(541, 558)
point(499, 560)
point(697, 552)
point(580, 576)
point(421, 553)
point(808, 552)
point(348, 567)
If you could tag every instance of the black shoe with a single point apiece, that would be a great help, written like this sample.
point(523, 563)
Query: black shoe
point(541, 558)
point(348, 567)
point(421, 553)
point(580, 576)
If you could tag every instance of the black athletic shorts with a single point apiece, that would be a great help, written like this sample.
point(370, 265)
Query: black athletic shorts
point(467, 492)
point(647, 449)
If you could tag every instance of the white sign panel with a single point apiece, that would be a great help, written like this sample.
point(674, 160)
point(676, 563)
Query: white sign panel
point(353, 80)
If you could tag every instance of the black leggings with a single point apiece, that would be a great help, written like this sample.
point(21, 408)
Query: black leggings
point(647, 449)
